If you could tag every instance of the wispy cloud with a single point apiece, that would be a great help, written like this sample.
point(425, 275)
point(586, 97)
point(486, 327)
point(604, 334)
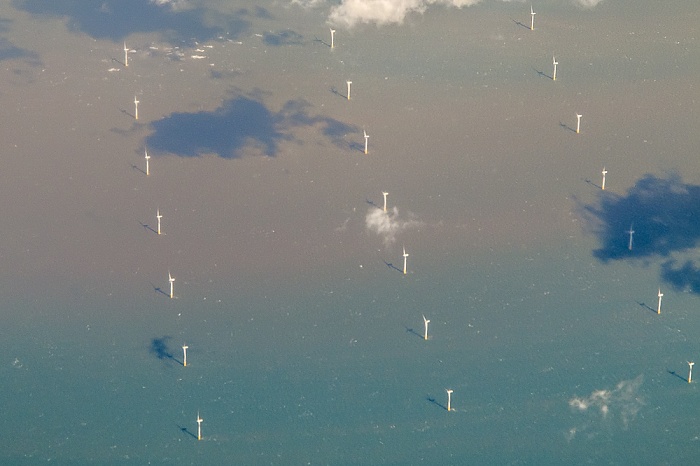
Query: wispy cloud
point(587, 3)
point(389, 224)
point(621, 403)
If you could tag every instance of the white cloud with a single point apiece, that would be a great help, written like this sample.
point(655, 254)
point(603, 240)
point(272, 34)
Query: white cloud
point(352, 12)
point(380, 12)
point(587, 3)
point(621, 403)
point(174, 4)
point(389, 224)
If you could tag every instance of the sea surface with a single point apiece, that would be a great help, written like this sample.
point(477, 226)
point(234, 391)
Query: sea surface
point(305, 336)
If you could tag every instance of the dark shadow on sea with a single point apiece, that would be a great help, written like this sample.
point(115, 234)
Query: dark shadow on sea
point(159, 348)
point(9, 51)
point(187, 431)
point(117, 19)
point(675, 374)
point(392, 266)
point(647, 307)
point(565, 126)
point(542, 74)
point(158, 289)
point(240, 122)
point(278, 39)
point(410, 330)
point(435, 402)
point(521, 24)
point(665, 213)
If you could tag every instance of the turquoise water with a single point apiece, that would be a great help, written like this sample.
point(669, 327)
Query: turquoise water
point(305, 340)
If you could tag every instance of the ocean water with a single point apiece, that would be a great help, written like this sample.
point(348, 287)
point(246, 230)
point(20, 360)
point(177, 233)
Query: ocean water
point(305, 337)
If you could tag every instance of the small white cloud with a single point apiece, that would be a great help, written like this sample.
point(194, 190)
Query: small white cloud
point(622, 403)
point(174, 4)
point(587, 3)
point(389, 224)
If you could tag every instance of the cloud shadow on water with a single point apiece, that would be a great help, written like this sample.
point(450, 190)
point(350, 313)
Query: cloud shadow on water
point(241, 122)
point(116, 19)
point(283, 38)
point(9, 51)
point(159, 348)
point(665, 215)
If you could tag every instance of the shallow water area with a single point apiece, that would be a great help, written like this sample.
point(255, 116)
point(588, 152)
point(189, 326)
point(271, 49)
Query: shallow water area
point(305, 338)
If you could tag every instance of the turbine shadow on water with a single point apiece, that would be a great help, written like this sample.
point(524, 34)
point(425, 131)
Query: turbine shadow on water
point(565, 126)
point(542, 74)
point(521, 24)
point(158, 289)
point(187, 431)
point(675, 374)
point(647, 307)
point(410, 330)
point(435, 402)
point(392, 266)
point(665, 213)
point(159, 348)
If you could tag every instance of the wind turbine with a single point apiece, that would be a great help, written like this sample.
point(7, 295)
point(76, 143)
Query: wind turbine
point(148, 171)
point(158, 216)
point(690, 371)
point(532, 19)
point(366, 139)
point(171, 279)
point(449, 399)
point(604, 172)
point(384, 193)
point(554, 74)
point(631, 232)
point(578, 123)
point(332, 38)
point(136, 109)
point(126, 55)
point(184, 355)
point(405, 255)
point(425, 324)
point(658, 307)
point(349, 82)
point(199, 427)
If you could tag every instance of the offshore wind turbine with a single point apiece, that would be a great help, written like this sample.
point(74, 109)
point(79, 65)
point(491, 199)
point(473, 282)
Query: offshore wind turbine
point(578, 123)
point(332, 38)
point(366, 139)
point(349, 82)
point(604, 172)
point(449, 399)
point(631, 232)
point(425, 324)
point(184, 355)
point(126, 55)
point(532, 19)
point(199, 427)
point(690, 371)
point(384, 193)
point(148, 171)
point(405, 255)
point(658, 307)
point(158, 216)
point(554, 73)
point(171, 279)
point(136, 109)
